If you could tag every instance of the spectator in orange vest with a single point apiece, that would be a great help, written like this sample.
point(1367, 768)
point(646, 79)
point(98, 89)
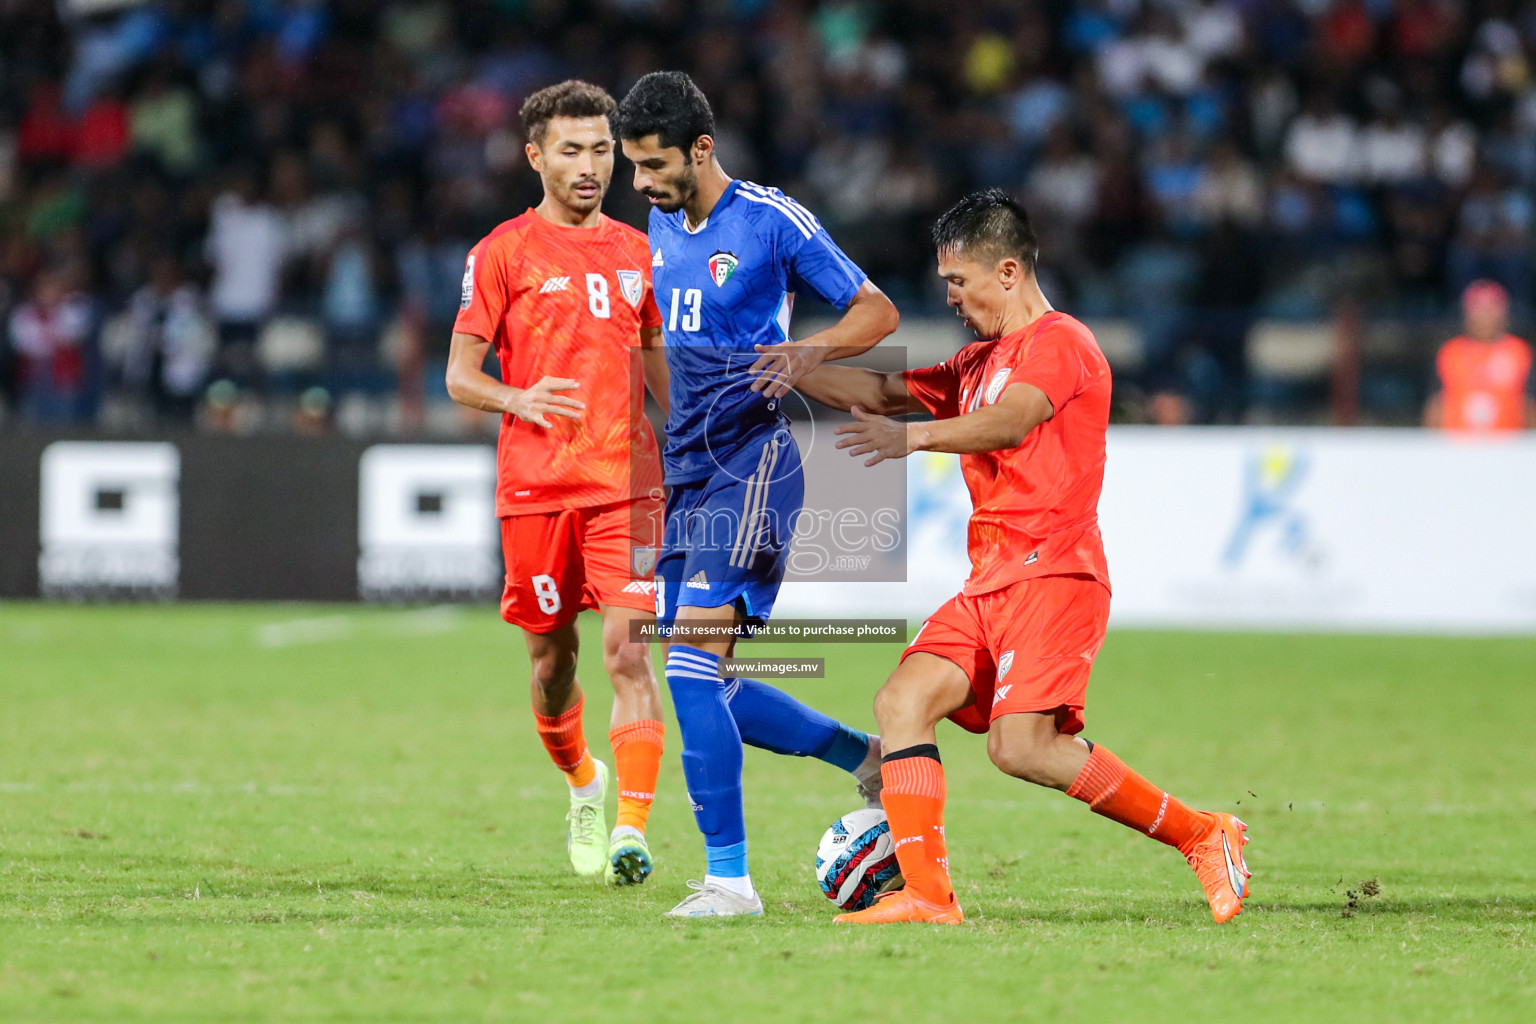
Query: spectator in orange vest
point(1485, 374)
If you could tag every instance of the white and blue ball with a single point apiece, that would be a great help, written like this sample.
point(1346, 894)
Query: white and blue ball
point(856, 860)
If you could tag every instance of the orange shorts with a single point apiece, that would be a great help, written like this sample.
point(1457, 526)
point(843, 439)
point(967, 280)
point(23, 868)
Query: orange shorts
point(563, 562)
point(1026, 647)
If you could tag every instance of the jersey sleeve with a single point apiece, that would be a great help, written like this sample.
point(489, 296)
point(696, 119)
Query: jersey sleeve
point(812, 261)
point(936, 387)
point(819, 266)
point(650, 314)
point(1053, 361)
point(482, 292)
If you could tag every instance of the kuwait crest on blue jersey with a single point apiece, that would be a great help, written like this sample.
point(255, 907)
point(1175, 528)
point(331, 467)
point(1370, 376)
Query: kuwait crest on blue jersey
point(721, 266)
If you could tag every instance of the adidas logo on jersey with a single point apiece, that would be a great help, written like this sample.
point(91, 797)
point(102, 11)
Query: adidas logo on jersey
point(639, 587)
point(555, 284)
point(699, 582)
point(657, 261)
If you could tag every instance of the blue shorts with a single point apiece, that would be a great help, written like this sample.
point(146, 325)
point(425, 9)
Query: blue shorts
point(728, 535)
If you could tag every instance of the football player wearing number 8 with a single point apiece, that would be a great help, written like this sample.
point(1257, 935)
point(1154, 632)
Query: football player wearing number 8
point(728, 256)
point(1025, 408)
point(563, 295)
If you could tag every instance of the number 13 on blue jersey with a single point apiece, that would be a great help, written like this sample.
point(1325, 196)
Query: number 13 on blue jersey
point(690, 304)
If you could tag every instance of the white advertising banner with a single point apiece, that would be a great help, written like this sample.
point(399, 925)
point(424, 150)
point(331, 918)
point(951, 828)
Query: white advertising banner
point(1346, 529)
point(109, 519)
point(1270, 529)
point(427, 526)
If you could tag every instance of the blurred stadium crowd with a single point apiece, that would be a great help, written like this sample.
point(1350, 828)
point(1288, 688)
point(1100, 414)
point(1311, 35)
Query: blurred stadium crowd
point(250, 214)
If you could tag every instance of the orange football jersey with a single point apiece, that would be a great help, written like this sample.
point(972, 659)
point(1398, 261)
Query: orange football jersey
point(567, 302)
point(1035, 507)
point(1483, 383)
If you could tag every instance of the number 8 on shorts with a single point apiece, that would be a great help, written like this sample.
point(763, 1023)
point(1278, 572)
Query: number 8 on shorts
point(547, 593)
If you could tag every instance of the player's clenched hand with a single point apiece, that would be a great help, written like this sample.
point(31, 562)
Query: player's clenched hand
point(780, 367)
point(538, 403)
point(885, 437)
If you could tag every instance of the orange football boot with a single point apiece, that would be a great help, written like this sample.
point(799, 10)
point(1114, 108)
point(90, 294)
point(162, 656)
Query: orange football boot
point(905, 905)
point(1218, 863)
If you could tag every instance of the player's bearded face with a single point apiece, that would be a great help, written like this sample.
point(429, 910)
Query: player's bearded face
point(677, 189)
point(576, 161)
point(664, 176)
point(975, 292)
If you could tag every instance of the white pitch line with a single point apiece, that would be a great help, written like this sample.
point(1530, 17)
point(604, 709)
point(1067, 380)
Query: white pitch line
point(441, 618)
point(318, 630)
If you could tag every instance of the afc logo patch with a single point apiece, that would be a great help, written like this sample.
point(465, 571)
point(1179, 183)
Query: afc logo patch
point(467, 286)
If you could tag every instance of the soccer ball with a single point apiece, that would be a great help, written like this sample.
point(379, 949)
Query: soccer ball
point(856, 859)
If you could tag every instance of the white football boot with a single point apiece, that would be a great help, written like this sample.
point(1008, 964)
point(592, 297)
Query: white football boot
point(710, 900)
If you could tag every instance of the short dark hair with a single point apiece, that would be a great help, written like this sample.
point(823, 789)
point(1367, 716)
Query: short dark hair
point(668, 105)
point(988, 222)
point(571, 98)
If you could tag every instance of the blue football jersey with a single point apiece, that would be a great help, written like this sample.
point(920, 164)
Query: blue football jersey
point(722, 289)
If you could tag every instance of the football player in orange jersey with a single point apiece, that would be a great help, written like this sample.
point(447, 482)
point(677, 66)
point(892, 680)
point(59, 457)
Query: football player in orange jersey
point(1026, 408)
point(1485, 374)
point(563, 294)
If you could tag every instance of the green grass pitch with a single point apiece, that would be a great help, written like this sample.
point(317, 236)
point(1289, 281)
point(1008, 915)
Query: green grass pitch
point(300, 813)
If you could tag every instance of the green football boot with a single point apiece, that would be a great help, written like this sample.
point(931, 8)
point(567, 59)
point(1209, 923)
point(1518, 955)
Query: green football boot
point(587, 838)
point(629, 859)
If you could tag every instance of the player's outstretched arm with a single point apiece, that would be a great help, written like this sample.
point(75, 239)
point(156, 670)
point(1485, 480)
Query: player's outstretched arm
point(469, 385)
point(996, 427)
point(843, 387)
point(653, 364)
point(1002, 425)
point(868, 317)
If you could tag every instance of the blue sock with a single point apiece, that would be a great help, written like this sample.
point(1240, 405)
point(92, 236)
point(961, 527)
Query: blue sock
point(727, 861)
point(711, 756)
point(771, 719)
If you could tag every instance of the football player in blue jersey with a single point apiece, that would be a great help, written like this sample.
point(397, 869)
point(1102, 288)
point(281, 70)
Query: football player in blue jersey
point(727, 258)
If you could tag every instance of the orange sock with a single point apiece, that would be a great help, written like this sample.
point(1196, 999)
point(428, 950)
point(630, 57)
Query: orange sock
point(637, 760)
point(914, 804)
point(1109, 788)
point(567, 744)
